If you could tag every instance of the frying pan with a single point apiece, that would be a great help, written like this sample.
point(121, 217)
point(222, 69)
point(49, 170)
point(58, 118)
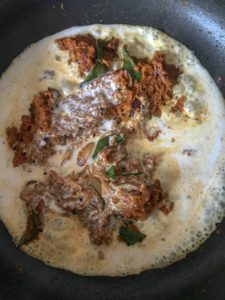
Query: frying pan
point(200, 25)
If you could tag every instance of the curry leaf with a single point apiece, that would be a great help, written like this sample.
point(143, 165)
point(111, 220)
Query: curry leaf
point(129, 174)
point(99, 68)
point(129, 65)
point(135, 74)
point(131, 235)
point(99, 47)
point(101, 144)
point(34, 226)
point(128, 61)
point(112, 172)
point(119, 139)
point(104, 142)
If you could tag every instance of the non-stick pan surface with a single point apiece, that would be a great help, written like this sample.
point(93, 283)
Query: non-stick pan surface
point(199, 24)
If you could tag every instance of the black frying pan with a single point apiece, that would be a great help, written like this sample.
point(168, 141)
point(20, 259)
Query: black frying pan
point(199, 24)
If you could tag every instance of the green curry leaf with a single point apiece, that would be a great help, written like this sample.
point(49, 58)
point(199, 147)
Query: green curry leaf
point(101, 144)
point(99, 68)
point(129, 65)
point(119, 139)
point(34, 226)
point(104, 142)
point(99, 47)
point(112, 172)
point(129, 174)
point(131, 235)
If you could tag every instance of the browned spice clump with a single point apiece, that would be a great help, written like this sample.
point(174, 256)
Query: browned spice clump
point(157, 81)
point(110, 51)
point(22, 141)
point(153, 91)
point(41, 107)
point(179, 106)
point(135, 99)
point(82, 49)
point(157, 76)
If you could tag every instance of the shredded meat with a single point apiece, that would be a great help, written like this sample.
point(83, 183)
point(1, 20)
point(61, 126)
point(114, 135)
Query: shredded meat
point(130, 200)
point(98, 220)
point(158, 199)
point(69, 192)
point(73, 195)
point(134, 192)
point(132, 195)
point(32, 195)
point(165, 206)
point(82, 49)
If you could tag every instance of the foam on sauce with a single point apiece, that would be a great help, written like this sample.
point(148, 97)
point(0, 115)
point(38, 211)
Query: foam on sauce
point(190, 151)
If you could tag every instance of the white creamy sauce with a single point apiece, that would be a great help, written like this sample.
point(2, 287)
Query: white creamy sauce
point(107, 126)
point(195, 182)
